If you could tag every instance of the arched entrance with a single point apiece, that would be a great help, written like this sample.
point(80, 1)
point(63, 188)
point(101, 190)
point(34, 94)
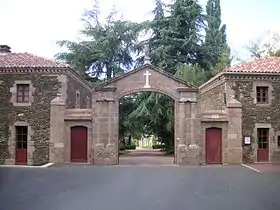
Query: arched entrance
point(146, 129)
point(79, 140)
point(213, 146)
point(146, 78)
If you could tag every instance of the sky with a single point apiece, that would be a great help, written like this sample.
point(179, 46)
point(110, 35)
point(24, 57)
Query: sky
point(34, 26)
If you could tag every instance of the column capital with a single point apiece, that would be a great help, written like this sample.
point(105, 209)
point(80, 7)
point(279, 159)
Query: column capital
point(187, 100)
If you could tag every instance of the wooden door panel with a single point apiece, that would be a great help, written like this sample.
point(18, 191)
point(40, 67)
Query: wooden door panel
point(79, 144)
point(263, 145)
point(263, 155)
point(21, 157)
point(213, 146)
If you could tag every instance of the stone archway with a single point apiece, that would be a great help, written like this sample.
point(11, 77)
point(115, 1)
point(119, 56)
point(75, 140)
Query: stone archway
point(146, 78)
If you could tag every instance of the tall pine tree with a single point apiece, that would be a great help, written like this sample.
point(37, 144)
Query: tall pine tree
point(216, 39)
point(155, 43)
point(184, 34)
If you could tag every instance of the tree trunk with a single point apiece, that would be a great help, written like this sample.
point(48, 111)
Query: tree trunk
point(129, 139)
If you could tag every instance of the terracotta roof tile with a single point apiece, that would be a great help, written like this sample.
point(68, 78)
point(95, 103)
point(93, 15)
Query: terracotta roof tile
point(262, 65)
point(27, 60)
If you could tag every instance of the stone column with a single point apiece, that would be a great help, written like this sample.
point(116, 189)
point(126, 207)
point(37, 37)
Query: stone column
point(105, 147)
point(57, 134)
point(194, 123)
point(101, 134)
point(113, 140)
point(180, 146)
point(233, 150)
point(181, 138)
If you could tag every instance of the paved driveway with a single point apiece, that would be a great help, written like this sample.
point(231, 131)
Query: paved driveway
point(146, 157)
point(135, 188)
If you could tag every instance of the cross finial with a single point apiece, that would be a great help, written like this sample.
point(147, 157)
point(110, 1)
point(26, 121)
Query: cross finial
point(147, 59)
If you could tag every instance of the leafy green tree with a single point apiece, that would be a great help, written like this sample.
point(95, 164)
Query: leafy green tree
point(192, 74)
point(129, 126)
point(216, 39)
point(108, 48)
point(155, 113)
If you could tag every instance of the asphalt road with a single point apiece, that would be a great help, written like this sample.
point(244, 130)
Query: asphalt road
point(138, 188)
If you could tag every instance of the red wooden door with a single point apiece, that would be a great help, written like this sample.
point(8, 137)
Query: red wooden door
point(21, 145)
point(213, 146)
point(79, 144)
point(263, 145)
point(262, 155)
point(21, 156)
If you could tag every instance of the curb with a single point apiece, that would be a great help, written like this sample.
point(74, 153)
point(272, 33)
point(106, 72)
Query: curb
point(26, 166)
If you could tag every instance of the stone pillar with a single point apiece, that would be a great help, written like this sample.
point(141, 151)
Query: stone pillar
point(181, 138)
point(188, 150)
point(105, 151)
point(57, 134)
point(233, 149)
point(194, 123)
point(180, 145)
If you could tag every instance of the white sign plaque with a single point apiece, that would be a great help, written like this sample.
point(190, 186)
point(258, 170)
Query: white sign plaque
point(247, 140)
point(147, 74)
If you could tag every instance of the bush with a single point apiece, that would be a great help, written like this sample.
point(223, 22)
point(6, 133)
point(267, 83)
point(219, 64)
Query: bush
point(169, 152)
point(130, 147)
point(158, 147)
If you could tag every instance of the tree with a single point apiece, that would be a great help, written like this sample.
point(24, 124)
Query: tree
point(175, 41)
point(128, 125)
point(154, 32)
point(155, 42)
point(174, 44)
point(191, 74)
point(215, 39)
point(183, 36)
point(266, 45)
point(154, 112)
point(108, 48)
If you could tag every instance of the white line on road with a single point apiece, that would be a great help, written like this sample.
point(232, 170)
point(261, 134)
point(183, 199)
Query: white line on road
point(254, 169)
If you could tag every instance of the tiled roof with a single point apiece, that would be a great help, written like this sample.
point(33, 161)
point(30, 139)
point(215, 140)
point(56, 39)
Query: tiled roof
point(262, 65)
point(27, 60)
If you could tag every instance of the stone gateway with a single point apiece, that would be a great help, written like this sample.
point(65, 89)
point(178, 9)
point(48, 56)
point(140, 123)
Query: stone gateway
point(106, 112)
point(49, 113)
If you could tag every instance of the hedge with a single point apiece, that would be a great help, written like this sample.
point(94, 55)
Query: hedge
point(158, 147)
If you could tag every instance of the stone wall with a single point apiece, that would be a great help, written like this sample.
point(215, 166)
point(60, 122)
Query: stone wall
point(74, 87)
point(212, 95)
point(37, 115)
point(254, 115)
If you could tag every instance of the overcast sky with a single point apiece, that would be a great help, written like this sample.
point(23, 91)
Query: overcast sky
point(35, 25)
